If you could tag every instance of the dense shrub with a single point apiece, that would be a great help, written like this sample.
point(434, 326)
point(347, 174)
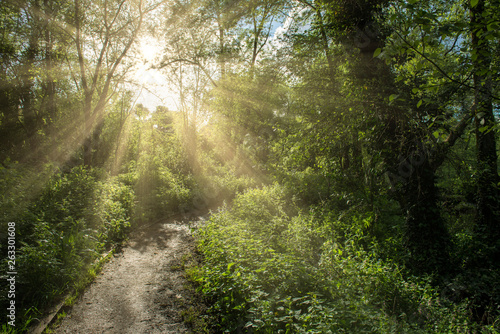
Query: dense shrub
point(271, 269)
point(113, 210)
point(60, 233)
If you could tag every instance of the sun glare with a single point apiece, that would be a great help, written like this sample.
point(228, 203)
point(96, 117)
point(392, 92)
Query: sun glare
point(153, 87)
point(149, 49)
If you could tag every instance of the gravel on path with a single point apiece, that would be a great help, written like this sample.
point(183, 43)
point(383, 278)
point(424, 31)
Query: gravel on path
point(142, 289)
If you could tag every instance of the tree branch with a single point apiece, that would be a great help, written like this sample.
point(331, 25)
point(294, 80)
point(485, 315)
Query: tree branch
point(191, 62)
point(439, 69)
point(454, 135)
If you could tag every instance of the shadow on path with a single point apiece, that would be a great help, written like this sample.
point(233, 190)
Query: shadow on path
point(141, 290)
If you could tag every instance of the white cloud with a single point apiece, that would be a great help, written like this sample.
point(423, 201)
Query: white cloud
point(296, 12)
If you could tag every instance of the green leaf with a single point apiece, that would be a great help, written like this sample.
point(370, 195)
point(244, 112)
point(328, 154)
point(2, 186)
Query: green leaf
point(393, 97)
point(415, 90)
point(419, 104)
point(377, 52)
point(492, 26)
point(473, 3)
point(474, 57)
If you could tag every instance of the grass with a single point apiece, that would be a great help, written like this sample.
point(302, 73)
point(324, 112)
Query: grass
point(79, 288)
point(195, 314)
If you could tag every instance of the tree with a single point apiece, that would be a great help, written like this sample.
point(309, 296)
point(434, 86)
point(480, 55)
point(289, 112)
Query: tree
point(483, 15)
point(260, 16)
point(435, 47)
point(189, 68)
point(106, 29)
point(9, 49)
point(33, 45)
point(347, 111)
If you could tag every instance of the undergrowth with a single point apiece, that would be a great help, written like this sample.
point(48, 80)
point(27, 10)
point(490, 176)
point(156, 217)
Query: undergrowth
point(72, 219)
point(272, 268)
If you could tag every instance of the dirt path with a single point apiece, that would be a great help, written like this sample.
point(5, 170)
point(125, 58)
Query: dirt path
point(141, 290)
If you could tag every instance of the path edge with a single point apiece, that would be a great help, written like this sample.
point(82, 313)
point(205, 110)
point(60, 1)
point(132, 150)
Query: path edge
point(49, 319)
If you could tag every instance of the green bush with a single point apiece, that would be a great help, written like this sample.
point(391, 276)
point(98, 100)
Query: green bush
point(114, 206)
point(271, 269)
point(62, 231)
point(173, 191)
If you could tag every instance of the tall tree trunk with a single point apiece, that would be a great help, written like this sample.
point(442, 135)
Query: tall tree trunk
point(326, 49)
point(413, 182)
point(87, 130)
point(29, 113)
point(50, 83)
point(222, 48)
point(487, 218)
point(426, 237)
point(93, 111)
point(8, 108)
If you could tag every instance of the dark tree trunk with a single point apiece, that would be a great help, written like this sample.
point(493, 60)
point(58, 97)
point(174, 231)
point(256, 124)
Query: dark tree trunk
point(26, 93)
point(222, 49)
point(426, 237)
point(87, 130)
point(9, 127)
point(487, 218)
point(49, 106)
